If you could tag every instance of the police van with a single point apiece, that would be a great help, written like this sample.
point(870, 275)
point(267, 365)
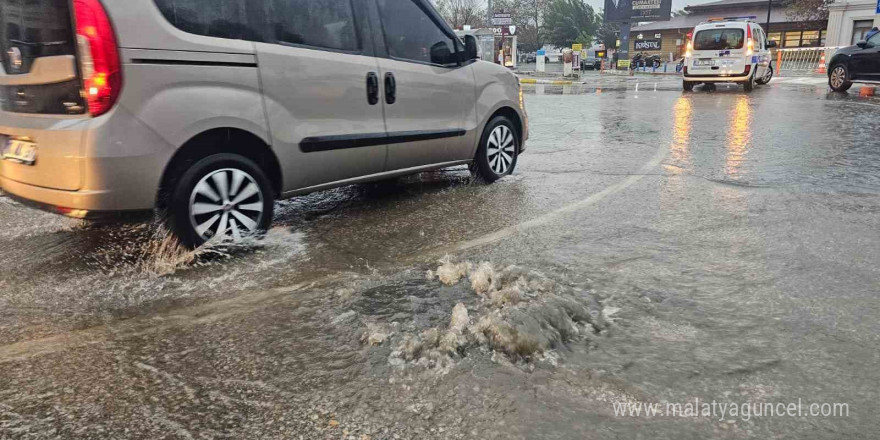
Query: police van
point(731, 50)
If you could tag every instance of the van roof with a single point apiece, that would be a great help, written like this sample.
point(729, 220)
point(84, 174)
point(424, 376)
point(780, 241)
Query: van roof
point(729, 21)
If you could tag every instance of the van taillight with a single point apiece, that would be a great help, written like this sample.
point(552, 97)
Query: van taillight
point(98, 56)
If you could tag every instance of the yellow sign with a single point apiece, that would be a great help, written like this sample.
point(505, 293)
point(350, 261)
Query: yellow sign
point(622, 64)
point(577, 47)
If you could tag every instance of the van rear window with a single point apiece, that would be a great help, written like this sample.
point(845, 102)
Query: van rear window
point(33, 29)
point(719, 39)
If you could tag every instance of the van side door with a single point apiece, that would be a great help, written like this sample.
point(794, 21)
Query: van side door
point(321, 90)
point(429, 93)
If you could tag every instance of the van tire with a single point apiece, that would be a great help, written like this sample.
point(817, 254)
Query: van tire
point(491, 162)
point(749, 84)
point(235, 170)
point(766, 78)
point(688, 86)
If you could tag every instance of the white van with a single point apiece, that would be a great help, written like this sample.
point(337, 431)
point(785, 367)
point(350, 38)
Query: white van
point(732, 49)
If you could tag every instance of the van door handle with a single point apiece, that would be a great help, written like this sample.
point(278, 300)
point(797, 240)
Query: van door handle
point(390, 88)
point(372, 88)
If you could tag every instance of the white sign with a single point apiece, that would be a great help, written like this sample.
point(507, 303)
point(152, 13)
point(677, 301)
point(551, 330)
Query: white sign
point(501, 21)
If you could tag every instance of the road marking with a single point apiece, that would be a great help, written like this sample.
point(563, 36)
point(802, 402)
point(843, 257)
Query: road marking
point(554, 215)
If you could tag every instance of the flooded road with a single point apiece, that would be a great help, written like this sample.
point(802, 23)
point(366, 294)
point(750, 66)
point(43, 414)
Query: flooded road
point(652, 246)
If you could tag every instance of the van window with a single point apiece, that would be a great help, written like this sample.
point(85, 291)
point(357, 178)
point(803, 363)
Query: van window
point(328, 23)
point(233, 19)
point(411, 34)
point(719, 39)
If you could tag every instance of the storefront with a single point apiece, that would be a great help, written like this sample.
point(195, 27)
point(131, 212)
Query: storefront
point(668, 38)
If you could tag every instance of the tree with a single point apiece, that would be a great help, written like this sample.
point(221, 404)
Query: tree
point(462, 12)
point(608, 33)
point(807, 10)
point(570, 21)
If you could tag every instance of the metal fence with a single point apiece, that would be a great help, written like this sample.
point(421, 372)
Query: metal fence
point(803, 61)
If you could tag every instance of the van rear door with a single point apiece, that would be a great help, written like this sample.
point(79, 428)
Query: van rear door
point(38, 54)
point(718, 50)
point(42, 111)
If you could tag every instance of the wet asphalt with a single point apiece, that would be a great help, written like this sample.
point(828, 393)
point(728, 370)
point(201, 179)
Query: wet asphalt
point(651, 246)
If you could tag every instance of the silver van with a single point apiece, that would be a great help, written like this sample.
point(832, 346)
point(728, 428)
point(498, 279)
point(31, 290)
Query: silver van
point(210, 110)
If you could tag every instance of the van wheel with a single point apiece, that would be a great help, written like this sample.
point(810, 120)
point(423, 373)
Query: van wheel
point(688, 86)
point(749, 84)
point(221, 197)
point(838, 80)
point(497, 154)
point(768, 75)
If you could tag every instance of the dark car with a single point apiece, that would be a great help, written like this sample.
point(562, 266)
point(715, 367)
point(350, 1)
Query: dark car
point(859, 63)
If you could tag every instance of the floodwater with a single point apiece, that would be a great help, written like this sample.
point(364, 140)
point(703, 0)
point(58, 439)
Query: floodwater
point(652, 246)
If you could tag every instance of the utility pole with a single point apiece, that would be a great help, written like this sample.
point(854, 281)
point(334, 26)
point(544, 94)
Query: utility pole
point(489, 14)
point(769, 8)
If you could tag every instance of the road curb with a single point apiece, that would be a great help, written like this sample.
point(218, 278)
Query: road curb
point(555, 82)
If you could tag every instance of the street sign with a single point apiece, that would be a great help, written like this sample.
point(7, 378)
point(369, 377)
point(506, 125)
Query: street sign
point(502, 19)
point(647, 44)
point(631, 11)
point(577, 47)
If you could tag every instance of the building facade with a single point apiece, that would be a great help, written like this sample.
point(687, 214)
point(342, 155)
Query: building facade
point(850, 20)
point(668, 38)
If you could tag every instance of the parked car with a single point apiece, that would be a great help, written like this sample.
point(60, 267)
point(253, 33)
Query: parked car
point(530, 58)
point(859, 63)
point(733, 49)
point(210, 112)
point(591, 63)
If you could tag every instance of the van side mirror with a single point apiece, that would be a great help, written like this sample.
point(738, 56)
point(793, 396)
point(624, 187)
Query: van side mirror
point(440, 53)
point(862, 44)
point(771, 44)
point(470, 48)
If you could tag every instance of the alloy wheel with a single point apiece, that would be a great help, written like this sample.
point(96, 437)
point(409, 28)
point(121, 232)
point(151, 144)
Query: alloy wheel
point(838, 77)
point(228, 203)
point(500, 149)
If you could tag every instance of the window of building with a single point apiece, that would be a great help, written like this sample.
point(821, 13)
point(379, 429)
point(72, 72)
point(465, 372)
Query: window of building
point(860, 29)
point(775, 36)
point(823, 38)
point(792, 39)
point(809, 38)
point(329, 24)
point(411, 34)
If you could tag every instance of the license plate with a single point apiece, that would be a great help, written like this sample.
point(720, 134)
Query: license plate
point(704, 62)
point(20, 151)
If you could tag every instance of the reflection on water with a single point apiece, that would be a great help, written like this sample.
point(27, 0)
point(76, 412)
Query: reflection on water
point(683, 115)
point(738, 135)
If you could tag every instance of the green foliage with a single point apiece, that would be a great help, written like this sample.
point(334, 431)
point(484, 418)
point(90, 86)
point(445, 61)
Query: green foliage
point(807, 10)
point(608, 33)
point(570, 21)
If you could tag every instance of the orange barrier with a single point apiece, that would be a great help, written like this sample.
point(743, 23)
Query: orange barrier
point(866, 91)
point(821, 67)
point(778, 63)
